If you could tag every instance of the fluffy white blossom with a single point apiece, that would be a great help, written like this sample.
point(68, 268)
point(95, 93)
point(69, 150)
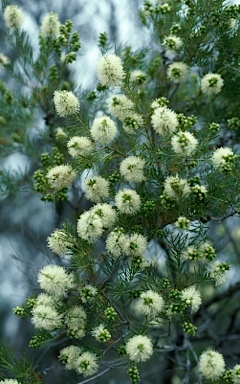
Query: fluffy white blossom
point(150, 303)
point(128, 201)
point(87, 364)
point(177, 71)
point(88, 293)
point(80, 146)
point(96, 188)
point(50, 26)
point(175, 187)
point(89, 226)
point(139, 348)
point(160, 102)
point(182, 223)
point(106, 213)
point(207, 251)
point(4, 60)
point(211, 364)
point(138, 77)
point(45, 300)
point(236, 374)
point(66, 103)
point(191, 253)
point(60, 134)
point(211, 84)
point(101, 333)
point(115, 241)
point(13, 16)
point(75, 320)
point(135, 245)
point(192, 297)
point(172, 43)
point(217, 271)
point(69, 356)
point(184, 143)
point(9, 381)
point(110, 70)
point(55, 280)
point(61, 176)
point(59, 243)
point(92, 223)
point(132, 122)
point(120, 106)
point(46, 317)
point(103, 130)
point(132, 169)
point(222, 158)
point(164, 121)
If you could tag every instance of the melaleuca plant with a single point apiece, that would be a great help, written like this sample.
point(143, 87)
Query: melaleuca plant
point(148, 147)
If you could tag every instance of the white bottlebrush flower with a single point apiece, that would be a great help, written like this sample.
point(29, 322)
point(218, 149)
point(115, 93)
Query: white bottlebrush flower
point(139, 348)
point(55, 280)
point(66, 103)
point(207, 251)
point(177, 71)
point(61, 176)
point(89, 226)
point(138, 77)
point(175, 187)
point(96, 188)
point(75, 320)
point(87, 364)
point(80, 146)
point(132, 169)
point(182, 223)
point(211, 84)
point(50, 26)
point(69, 356)
point(160, 102)
point(45, 300)
point(46, 317)
point(120, 106)
point(164, 121)
point(9, 381)
point(172, 43)
point(135, 245)
point(110, 70)
point(132, 122)
point(211, 364)
point(217, 271)
point(150, 303)
point(106, 213)
point(13, 16)
point(103, 130)
point(4, 60)
point(60, 134)
point(184, 143)
point(192, 297)
point(199, 191)
point(115, 241)
point(101, 333)
point(59, 243)
point(236, 374)
point(222, 158)
point(191, 253)
point(88, 293)
point(128, 201)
